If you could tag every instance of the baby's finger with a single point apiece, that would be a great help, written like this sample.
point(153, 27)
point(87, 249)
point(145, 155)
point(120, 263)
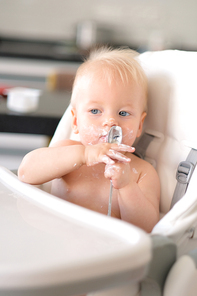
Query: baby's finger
point(118, 156)
point(122, 147)
point(107, 160)
point(109, 171)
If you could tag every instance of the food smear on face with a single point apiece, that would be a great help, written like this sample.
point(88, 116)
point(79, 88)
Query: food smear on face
point(92, 134)
point(128, 134)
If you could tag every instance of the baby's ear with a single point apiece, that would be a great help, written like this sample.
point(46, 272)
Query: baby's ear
point(141, 124)
point(74, 121)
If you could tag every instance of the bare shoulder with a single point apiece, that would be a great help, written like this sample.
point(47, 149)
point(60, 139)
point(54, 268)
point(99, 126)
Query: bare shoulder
point(148, 179)
point(66, 142)
point(143, 166)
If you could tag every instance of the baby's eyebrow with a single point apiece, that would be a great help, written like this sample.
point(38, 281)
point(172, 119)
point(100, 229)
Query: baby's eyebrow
point(93, 102)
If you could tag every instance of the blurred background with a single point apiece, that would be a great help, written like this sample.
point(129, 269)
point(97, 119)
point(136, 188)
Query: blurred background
point(42, 43)
point(138, 23)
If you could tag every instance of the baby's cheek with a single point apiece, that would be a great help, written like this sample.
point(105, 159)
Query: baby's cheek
point(128, 136)
point(88, 134)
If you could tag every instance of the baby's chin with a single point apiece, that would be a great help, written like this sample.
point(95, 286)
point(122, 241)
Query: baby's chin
point(91, 141)
point(102, 139)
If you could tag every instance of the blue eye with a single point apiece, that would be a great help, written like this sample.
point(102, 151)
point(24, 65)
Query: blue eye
point(123, 113)
point(95, 111)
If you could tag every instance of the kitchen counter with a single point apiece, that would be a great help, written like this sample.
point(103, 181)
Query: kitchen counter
point(43, 121)
point(38, 49)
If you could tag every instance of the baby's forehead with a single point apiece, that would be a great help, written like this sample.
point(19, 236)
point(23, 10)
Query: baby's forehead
point(90, 73)
point(105, 73)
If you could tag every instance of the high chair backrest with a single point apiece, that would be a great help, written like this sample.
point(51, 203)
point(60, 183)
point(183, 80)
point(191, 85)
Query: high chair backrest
point(64, 128)
point(172, 114)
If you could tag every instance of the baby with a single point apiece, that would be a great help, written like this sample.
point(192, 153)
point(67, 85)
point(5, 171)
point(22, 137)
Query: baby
point(110, 89)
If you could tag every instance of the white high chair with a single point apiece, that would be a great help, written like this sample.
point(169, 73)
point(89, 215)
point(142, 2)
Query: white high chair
point(49, 246)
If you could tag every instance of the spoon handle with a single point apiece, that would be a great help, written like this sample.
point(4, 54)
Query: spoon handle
point(114, 136)
point(110, 199)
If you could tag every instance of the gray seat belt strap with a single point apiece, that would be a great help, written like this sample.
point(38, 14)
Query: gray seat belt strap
point(142, 144)
point(183, 175)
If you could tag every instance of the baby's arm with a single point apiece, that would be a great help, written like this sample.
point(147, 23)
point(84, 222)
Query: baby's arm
point(48, 163)
point(45, 164)
point(138, 198)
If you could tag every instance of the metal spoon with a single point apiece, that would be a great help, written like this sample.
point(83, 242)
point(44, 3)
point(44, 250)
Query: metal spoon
point(114, 136)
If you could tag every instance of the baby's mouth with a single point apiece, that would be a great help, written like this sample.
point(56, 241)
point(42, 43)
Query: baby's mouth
point(104, 136)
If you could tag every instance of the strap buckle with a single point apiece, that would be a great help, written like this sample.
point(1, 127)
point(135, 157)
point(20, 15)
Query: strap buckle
point(184, 172)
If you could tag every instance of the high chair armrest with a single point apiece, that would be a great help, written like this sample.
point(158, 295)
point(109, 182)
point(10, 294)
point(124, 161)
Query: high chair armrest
point(193, 255)
point(179, 223)
point(164, 256)
point(182, 278)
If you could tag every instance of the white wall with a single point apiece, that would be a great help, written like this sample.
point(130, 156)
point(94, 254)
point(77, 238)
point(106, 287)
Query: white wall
point(173, 22)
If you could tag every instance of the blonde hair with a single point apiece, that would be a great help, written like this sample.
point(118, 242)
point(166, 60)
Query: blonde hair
point(121, 61)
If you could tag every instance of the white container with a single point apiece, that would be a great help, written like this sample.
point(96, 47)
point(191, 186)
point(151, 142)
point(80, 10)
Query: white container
point(21, 99)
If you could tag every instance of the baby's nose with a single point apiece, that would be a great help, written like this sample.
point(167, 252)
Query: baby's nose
point(110, 122)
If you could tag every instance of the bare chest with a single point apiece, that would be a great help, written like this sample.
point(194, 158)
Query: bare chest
point(87, 187)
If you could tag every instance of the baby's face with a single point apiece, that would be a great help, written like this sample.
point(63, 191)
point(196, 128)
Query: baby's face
point(101, 105)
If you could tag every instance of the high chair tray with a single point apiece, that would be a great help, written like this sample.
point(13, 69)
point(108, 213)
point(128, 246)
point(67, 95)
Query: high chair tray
point(47, 243)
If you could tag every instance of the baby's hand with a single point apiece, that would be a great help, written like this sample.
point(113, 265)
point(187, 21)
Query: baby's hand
point(106, 153)
point(118, 173)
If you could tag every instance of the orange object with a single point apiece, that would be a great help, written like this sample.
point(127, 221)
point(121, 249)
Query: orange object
point(4, 90)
